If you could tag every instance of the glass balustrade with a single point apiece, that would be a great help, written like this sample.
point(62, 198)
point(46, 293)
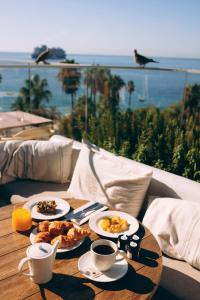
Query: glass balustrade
point(148, 114)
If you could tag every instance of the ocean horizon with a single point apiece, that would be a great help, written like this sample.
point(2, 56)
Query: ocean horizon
point(157, 88)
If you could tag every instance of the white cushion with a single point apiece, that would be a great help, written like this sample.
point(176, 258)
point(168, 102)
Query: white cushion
point(176, 226)
point(103, 177)
point(42, 160)
point(76, 148)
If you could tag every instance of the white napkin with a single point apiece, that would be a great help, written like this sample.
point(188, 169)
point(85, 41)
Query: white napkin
point(71, 215)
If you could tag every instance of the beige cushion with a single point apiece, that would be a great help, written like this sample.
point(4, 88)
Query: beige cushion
point(42, 160)
point(180, 279)
point(103, 177)
point(176, 226)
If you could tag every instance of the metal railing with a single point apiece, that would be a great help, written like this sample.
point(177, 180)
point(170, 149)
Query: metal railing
point(84, 66)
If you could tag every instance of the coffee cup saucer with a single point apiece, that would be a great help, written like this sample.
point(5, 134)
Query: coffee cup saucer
point(117, 271)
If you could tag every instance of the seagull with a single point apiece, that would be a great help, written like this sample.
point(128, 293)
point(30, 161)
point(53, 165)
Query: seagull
point(142, 60)
point(43, 56)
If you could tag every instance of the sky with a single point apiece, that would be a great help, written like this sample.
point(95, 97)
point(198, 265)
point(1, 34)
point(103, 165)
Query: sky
point(154, 27)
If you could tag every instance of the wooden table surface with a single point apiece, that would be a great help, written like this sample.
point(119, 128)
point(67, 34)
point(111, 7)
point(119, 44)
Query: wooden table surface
point(140, 282)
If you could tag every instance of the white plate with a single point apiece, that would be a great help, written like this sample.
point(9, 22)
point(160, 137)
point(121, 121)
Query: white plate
point(133, 223)
point(117, 271)
point(62, 208)
point(34, 232)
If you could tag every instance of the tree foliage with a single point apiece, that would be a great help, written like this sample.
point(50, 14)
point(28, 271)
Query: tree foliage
point(130, 89)
point(33, 96)
point(164, 138)
point(70, 79)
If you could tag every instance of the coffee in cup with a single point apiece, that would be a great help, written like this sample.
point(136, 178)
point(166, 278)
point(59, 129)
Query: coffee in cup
point(103, 254)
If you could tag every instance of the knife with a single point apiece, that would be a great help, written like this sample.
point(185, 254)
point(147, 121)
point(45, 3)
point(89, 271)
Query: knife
point(89, 211)
point(80, 213)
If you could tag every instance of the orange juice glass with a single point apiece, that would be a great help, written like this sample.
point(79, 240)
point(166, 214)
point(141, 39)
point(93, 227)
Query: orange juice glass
point(21, 219)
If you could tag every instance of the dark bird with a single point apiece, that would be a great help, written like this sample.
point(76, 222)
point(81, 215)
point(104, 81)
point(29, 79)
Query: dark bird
point(43, 56)
point(142, 60)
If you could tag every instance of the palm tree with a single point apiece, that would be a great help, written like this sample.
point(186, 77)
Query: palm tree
point(32, 95)
point(90, 81)
point(95, 79)
point(130, 89)
point(191, 102)
point(23, 101)
point(70, 79)
point(114, 85)
point(39, 92)
point(111, 100)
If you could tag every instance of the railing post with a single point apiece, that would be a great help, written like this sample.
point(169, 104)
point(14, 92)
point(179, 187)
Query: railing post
point(183, 97)
point(86, 104)
point(29, 79)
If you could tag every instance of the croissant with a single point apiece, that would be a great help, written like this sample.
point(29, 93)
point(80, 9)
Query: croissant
point(45, 237)
point(64, 241)
point(78, 233)
point(63, 231)
point(43, 226)
point(59, 227)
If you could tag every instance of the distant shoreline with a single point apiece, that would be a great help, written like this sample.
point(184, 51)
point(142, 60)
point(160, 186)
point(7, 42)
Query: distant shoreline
point(115, 55)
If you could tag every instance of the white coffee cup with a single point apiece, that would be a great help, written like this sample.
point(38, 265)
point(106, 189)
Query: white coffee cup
point(40, 258)
point(103, 262)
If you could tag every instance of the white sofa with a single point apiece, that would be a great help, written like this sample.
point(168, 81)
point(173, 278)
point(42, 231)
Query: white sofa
point(178, 277)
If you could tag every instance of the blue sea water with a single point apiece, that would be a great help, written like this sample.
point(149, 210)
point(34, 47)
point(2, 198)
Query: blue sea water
point(157, 88)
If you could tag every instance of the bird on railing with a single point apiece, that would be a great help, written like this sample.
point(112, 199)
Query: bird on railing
point(43, 56)
point(142, 60)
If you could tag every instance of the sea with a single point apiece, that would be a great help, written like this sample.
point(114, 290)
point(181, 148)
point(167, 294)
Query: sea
point(152, 88)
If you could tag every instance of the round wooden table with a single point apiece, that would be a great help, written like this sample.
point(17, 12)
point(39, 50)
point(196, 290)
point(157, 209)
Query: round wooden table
point(140, 282)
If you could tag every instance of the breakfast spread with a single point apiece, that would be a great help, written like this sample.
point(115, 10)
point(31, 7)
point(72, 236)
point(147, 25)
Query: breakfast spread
point(65, 232)
point(46, 207)
point(113, 224)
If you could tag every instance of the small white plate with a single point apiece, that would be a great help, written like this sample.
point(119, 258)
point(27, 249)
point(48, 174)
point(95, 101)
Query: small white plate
point(62, 208)
point(94, 223)
point(34, 233)
point(117, 271)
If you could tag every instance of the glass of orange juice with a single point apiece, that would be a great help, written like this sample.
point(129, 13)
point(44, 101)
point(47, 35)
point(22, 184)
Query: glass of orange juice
point(21, 219)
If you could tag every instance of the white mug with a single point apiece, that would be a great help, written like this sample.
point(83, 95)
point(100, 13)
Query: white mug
point(40, 258)
point(103, 262)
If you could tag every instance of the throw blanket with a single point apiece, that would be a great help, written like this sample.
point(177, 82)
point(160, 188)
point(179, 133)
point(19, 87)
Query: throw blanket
point(176, 226)
point(7, 149)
